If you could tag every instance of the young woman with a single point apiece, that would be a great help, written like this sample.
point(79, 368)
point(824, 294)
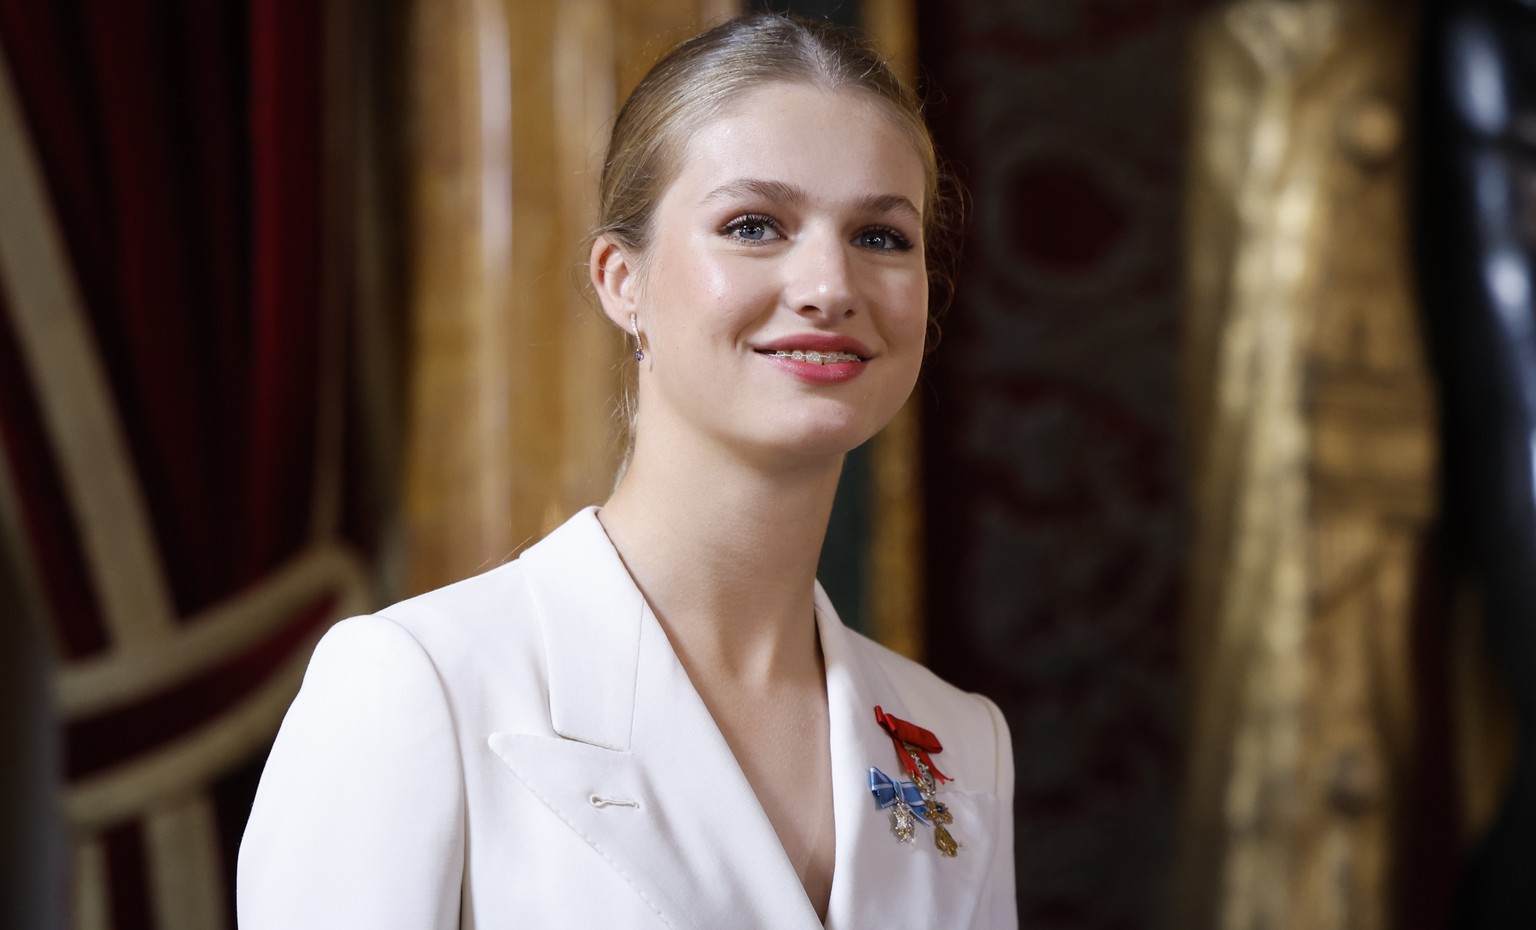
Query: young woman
point(653, 717)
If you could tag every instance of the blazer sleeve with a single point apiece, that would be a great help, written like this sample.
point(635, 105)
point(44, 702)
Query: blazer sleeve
point(999, 908)
point(358, 821)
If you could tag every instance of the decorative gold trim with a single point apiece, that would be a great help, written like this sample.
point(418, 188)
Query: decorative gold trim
point(76, 401)
point(1251, 500)
point(1312, 471)
point(184, 865)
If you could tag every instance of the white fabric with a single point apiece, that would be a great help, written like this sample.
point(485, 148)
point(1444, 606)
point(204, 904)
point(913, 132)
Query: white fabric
point(523, 749)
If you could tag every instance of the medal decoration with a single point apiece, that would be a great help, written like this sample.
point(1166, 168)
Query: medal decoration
point(905, 800)
point(914, 748)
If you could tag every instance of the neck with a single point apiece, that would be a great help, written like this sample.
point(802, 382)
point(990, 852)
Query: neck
point(725, 552)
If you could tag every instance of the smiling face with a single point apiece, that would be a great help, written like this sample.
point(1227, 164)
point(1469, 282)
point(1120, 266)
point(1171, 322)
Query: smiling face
point(783, 295)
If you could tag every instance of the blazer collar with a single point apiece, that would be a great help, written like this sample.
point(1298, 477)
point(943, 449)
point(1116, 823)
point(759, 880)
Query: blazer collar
point(878, 880)
point(643, 773)
point(699, 847)
point(590, 612)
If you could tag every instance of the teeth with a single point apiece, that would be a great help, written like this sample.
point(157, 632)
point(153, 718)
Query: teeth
point(815, 358)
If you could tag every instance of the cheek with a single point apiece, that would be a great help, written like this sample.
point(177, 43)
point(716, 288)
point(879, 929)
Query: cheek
point(734, 290)
point(713, 279)
point(697, 280)
point(906, 300)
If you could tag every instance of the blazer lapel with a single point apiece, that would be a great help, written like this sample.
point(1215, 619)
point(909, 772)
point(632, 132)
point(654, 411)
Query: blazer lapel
point(639, 768)
point(879, 881)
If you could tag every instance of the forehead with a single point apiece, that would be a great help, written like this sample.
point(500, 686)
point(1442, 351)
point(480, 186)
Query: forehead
point(835, 144)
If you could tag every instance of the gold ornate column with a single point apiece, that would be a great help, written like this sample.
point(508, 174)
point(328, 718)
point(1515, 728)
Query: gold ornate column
point(514, 372)
point(894, 581)
point(1312, 429)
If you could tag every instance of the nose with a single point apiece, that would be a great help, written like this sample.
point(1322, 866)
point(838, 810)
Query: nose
point(820, 279)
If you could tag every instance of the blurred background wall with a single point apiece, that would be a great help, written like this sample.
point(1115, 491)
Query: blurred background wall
point(1055, 545)
point(293, 324)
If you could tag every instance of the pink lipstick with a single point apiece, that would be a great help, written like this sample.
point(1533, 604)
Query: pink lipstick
point(818, 358)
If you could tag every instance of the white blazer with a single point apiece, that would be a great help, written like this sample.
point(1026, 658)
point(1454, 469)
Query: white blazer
point(523, 749)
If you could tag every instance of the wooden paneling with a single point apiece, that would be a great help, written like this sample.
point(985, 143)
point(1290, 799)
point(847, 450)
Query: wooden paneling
point(515, 373)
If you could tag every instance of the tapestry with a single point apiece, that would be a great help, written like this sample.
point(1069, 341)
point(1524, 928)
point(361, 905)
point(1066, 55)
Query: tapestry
point(1052, 456)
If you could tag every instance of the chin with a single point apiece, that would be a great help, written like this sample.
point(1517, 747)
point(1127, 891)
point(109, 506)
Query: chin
point(822, 439)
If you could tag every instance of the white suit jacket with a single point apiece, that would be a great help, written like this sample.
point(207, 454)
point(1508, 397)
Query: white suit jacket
point(523, 749)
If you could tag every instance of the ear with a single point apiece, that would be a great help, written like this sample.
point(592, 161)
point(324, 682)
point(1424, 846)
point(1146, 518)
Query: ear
point(614, 278)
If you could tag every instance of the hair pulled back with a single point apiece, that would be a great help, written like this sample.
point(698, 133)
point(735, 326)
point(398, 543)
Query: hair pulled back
point(704, 76)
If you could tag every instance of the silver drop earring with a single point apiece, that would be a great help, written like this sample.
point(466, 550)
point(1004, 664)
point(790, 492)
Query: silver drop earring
point(634, 327)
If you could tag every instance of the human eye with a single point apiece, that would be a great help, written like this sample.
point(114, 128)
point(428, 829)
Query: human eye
point(883, 239)
point(751, 227)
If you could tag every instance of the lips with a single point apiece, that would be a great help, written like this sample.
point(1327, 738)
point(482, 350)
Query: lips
point(818, 358)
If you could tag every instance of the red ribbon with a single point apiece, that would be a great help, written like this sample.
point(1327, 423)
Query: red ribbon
point(913, 743)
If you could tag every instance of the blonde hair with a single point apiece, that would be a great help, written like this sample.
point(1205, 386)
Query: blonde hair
point(702, 77)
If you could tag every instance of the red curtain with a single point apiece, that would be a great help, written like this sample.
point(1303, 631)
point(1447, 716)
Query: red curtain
point(182, 145)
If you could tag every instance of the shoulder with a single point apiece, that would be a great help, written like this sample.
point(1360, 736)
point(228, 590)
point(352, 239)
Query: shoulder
point(481, 598)
point(970, 726)
point(492, 610)
point(488, 638)
point(369, 680)
point(499, 611)
point(358, 820)
point(444, 633)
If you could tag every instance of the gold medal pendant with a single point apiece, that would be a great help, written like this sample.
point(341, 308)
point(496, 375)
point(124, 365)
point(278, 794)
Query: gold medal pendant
point(945, 842)
point(913, 747)
point(938, 815)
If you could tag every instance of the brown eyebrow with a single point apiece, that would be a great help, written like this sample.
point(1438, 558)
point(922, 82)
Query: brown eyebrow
point(891, 203)
point(779, 192)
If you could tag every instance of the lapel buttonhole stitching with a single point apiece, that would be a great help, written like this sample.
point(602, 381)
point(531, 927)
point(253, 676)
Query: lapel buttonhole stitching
point(601, 803)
